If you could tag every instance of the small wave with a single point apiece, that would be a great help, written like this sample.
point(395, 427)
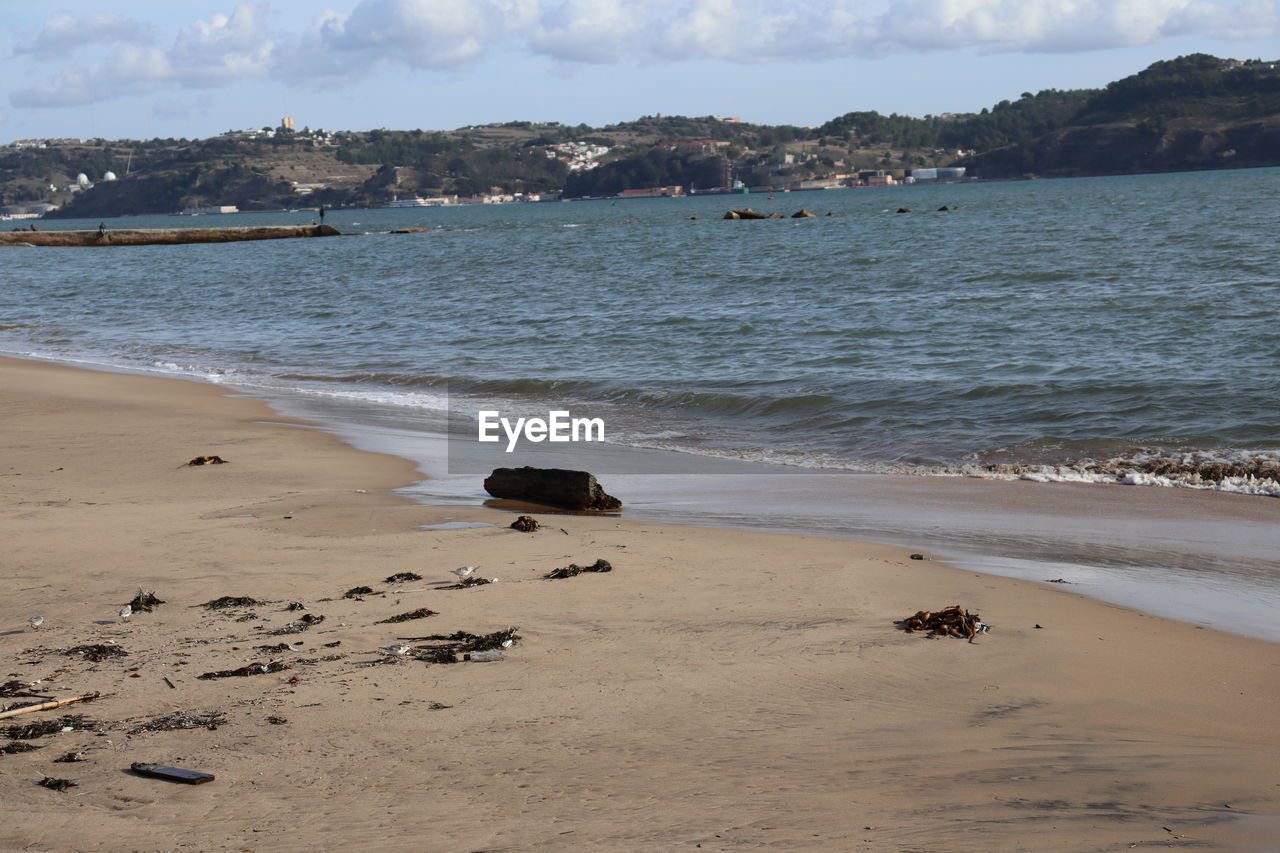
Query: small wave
point(1247, 472)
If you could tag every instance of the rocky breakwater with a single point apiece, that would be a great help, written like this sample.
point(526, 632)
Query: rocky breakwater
point(163, 236)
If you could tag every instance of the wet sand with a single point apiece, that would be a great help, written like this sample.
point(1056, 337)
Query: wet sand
point(720, 690)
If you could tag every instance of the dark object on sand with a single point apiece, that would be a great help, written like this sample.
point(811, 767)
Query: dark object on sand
point(525, 524)
point(917, 556)
point(298, 625)
point(251, 669)
point(435, 654)
point(207, 460)
point(16, 746)
point(950, 621)
point(420, 613)
point(96, 652)
point(463, 584)
point(277, 721)
point(17, 688)
point(57, 784)
point(72, 757)
point(402, 577)
point(462, 643)
point(181, 720)
point(173, 774)
point(295, 605)
point(230, 601)
point(557, 487)
point(145, 601)
point(357, 591)
point(574, 569)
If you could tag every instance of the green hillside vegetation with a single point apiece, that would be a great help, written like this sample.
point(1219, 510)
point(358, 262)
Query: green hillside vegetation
point(1193, 112)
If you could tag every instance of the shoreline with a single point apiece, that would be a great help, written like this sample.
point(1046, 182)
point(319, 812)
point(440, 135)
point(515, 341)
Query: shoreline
point(727, 689)
point(1202, 557)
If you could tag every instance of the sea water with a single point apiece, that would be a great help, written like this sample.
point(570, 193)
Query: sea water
point(1117, 330)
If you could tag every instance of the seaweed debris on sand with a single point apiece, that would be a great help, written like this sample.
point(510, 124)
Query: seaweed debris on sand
point(949, 621)
point(32, 731)
point(16, 746)
point(420, 613)
point(468, 582)
point(251, 669)
point(206, 460)
point(227, 601)
point(179, 720)
point(573, 569)
point(299, 625)
point(145, 601)
point(97, 651)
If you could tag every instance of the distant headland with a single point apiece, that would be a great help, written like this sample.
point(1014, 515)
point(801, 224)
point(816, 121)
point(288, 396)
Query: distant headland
point(1193, 112)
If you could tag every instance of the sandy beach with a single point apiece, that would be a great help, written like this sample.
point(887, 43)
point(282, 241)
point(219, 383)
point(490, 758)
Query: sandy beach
point(718, 690)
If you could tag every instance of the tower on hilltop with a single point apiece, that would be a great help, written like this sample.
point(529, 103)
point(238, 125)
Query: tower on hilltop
point(287, 122)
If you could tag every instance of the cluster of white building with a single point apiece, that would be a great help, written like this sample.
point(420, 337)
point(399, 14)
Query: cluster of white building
point(578, 156)
point(46, 142)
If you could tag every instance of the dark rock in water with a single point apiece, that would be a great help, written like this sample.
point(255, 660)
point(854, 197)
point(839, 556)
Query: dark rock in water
point(943, 208)
point(733, 214)
point(803, 213)
point(774, 216)
point(904, 210)
point(745, 213)
point(551, 487)
point(409, 230)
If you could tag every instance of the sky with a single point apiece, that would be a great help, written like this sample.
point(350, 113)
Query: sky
point(139, 69)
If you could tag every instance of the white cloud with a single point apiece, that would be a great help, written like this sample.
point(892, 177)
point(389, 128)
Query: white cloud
point(436, 34)
point(206, 54)
point(62, 34)
point(341, 46)
point(130, 71)
point(224, 49)
point(1044, 26)
point(594, 31)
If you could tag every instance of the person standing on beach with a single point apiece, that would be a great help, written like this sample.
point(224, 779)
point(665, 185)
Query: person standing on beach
point(322, 214)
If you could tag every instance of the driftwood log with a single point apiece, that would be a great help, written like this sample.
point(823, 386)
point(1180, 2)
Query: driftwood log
point(556, 487)
point(48, 706)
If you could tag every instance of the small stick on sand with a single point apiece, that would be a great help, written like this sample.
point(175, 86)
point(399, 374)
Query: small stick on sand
point(47, 706)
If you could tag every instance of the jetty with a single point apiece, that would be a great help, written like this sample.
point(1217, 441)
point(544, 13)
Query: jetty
point(164, 236)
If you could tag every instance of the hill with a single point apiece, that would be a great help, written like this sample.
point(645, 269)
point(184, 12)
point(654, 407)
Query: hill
point(1193, 112)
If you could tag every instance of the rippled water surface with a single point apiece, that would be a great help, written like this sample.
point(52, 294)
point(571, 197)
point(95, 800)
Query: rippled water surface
point(1035, 321)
